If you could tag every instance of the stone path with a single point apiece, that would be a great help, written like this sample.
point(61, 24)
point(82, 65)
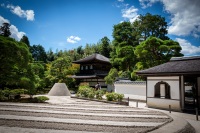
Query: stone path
point(78, 116)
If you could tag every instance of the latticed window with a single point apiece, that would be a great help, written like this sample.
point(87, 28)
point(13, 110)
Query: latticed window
point(91, 67)
point(162, 90)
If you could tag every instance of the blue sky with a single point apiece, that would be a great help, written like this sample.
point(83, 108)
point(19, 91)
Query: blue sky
point(67, 24)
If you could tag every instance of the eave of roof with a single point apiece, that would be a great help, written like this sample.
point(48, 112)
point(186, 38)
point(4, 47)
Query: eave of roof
point(84, 77)
point(93, 57)
point(176, 66)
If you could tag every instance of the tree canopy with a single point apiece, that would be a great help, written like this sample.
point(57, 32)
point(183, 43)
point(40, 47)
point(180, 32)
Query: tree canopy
point(122, 55)
point(151, 25)
point(155, 51)
point(14, 58)
point(59, 70)
point(5, 30)
point(25, 40)
point(38, 53)
point(105, 47)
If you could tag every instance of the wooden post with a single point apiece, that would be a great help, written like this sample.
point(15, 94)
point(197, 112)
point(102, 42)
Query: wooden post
point(128, 101)
point(197, 114)
point(169, 108)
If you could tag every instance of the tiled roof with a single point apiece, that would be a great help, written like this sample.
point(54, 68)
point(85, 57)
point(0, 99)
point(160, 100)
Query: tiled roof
point(176, 66)
point(131, 82)
point(93, 57)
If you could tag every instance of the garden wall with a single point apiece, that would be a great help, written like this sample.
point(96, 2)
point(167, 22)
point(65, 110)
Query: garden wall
point(131, 89)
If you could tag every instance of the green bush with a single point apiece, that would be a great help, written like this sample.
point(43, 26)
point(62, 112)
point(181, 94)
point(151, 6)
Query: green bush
point(40, 99)
point(91, 94)
point(114, 96)
point(6, 92)
point(99, 94)
point(2, 96)
point(78, 94)
point(12, 94)
point(120, 97)
point(17, 92)
point(86, 91)
point(110, 96)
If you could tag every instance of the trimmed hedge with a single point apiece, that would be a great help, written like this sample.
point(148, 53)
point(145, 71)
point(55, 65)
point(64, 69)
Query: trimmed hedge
point(114, 96)
point(40, 99)
point(100, 94)
point(85, 91)
point(88, 92)
point(7, 93)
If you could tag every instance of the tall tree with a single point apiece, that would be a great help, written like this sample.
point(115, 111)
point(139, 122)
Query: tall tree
point(25, 40)
point(38, 53)
point(125, 40)
point(58, 70)
point(50, 55)
point(155, 51)
point(80, 50)
point(90, 49)
point(15, 58)
point(151, 25)
point(5, 30)
point(111, 77)
point(105, 47)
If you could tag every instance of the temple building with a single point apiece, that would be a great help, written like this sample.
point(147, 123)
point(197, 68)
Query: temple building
point(175, 83)
point(93, 70)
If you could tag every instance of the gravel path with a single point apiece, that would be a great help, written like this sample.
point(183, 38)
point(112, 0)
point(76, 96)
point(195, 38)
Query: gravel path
point(80, 115)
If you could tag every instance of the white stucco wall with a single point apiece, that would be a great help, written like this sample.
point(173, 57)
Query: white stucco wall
point(131, 90)
point(173, 81)
point(110, 88)
point(163, 103)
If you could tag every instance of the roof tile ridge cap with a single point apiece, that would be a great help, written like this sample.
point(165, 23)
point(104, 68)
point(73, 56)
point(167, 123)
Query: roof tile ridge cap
point(184, 58)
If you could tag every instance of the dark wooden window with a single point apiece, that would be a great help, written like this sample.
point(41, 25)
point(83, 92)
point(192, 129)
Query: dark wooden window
point(164, 93)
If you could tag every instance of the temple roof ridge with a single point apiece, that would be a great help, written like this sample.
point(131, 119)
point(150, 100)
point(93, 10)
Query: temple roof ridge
point(93, 57)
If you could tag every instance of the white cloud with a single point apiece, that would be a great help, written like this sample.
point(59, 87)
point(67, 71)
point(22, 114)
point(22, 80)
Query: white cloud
point(147, 3)
point(13, 29)
point(15, 33)
point(130, 13)
point(73, 39)
point(28, 14)
point(185, 19)
point(187, 47)
point(3, 20)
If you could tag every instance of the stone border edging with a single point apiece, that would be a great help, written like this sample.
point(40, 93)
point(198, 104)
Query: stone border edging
point(177, 125)
point(96, 100)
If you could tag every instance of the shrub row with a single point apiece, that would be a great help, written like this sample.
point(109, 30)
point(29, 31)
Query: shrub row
point(88, 92)
point(7, 94)
point(40, 99)
point(114, 96)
